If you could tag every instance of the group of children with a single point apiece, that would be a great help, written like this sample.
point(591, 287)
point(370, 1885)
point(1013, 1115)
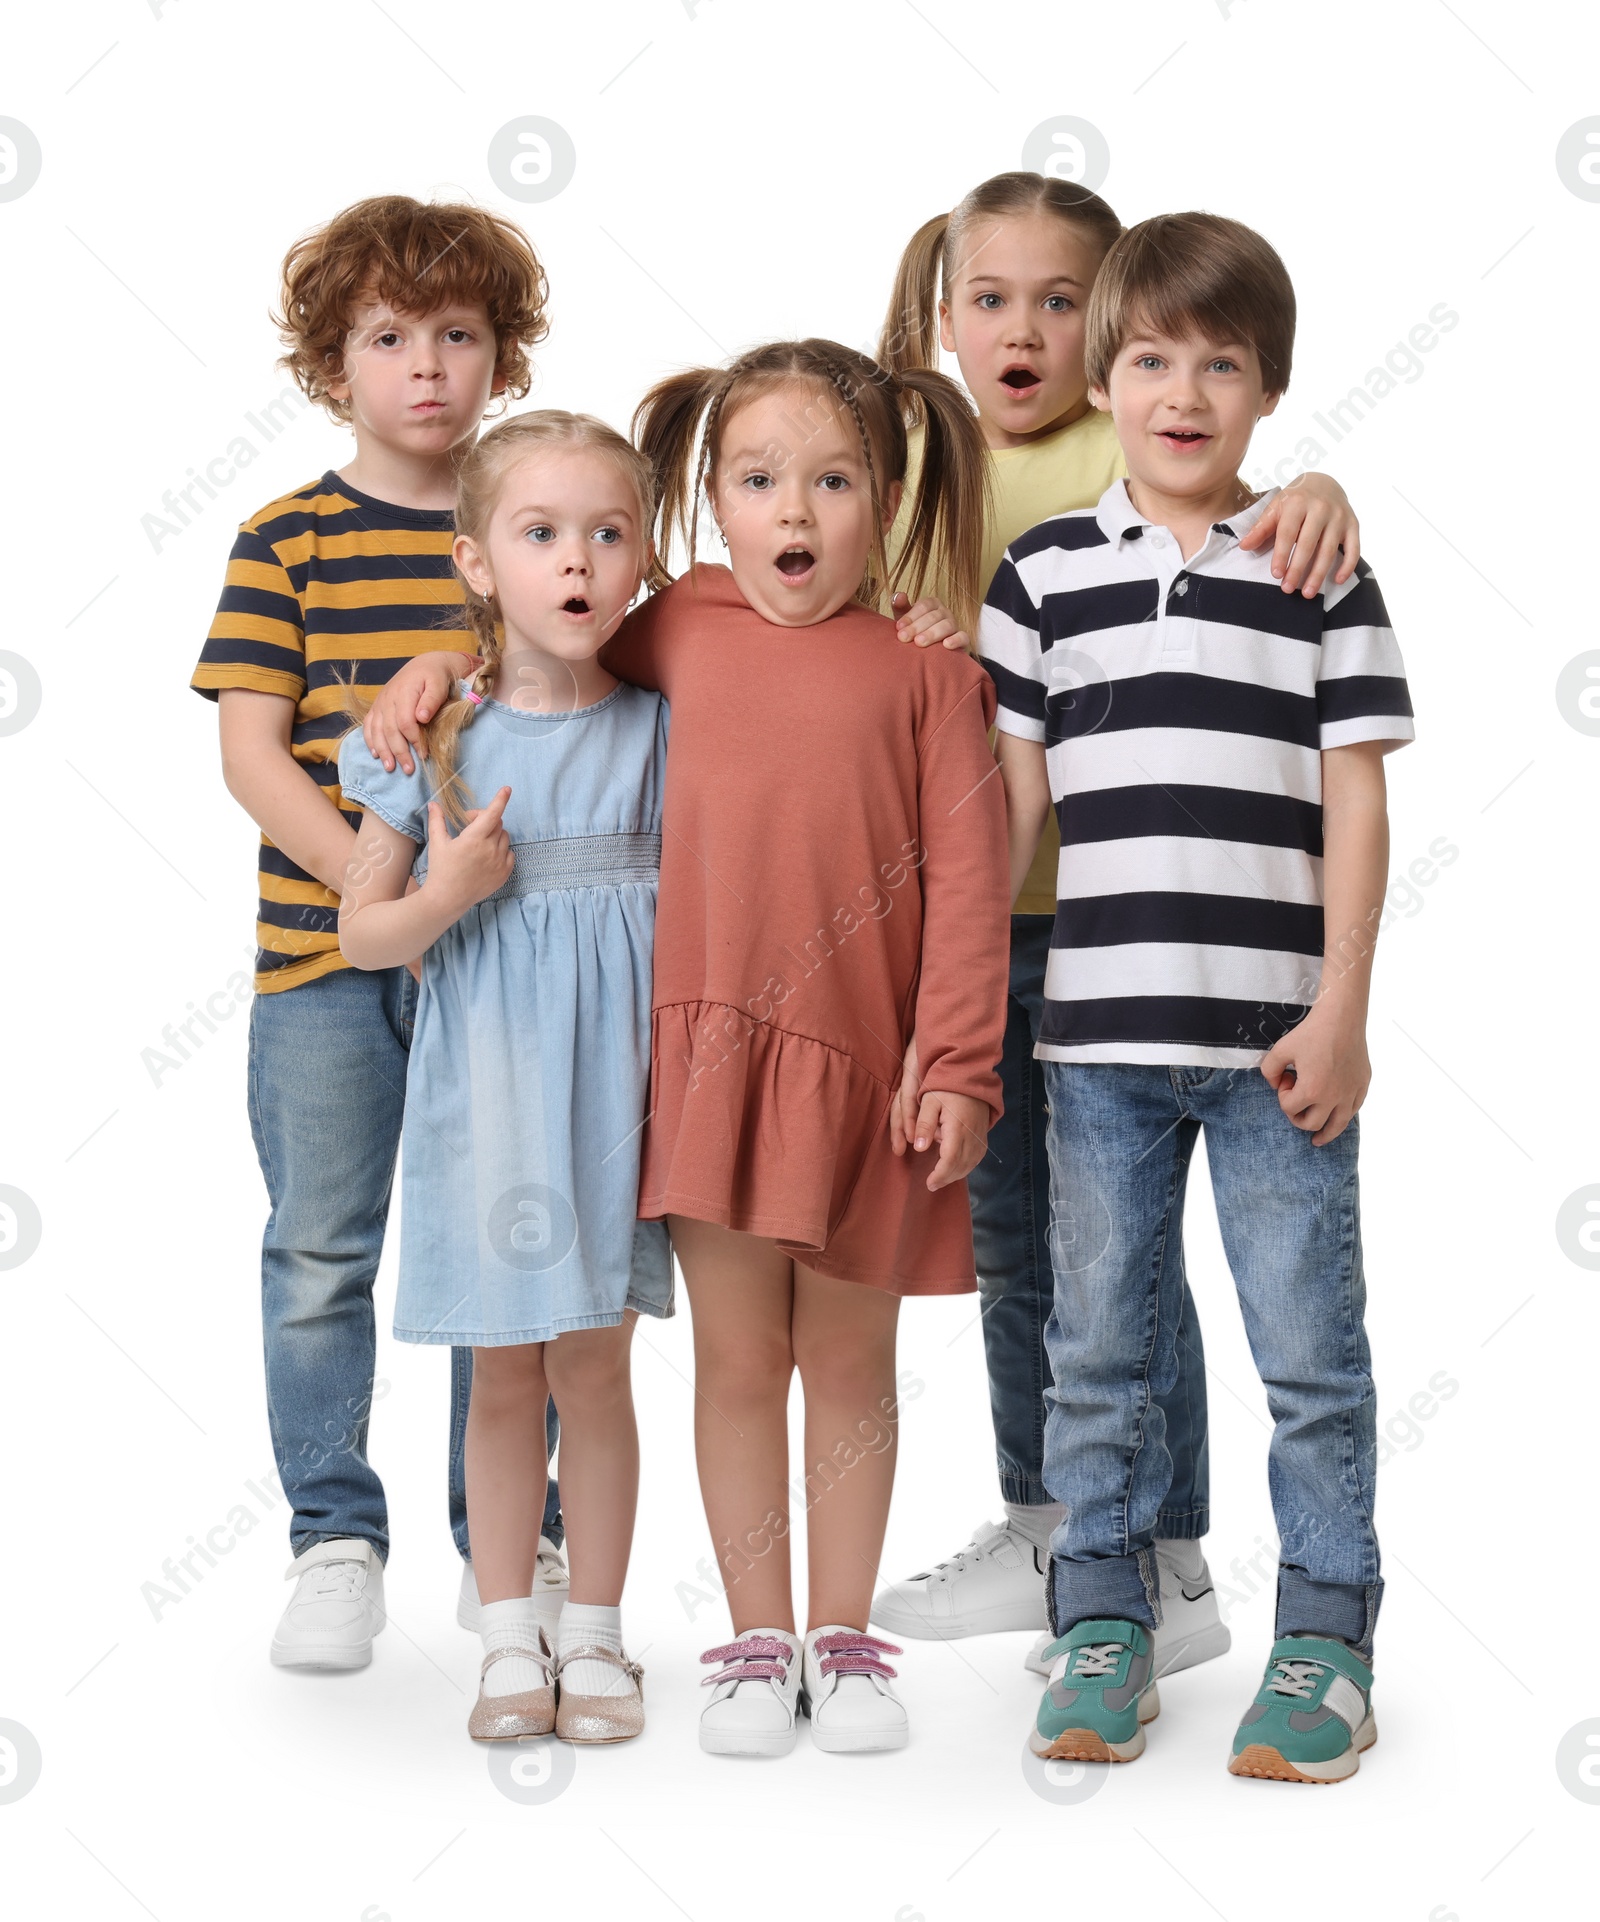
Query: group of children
point(699, 926)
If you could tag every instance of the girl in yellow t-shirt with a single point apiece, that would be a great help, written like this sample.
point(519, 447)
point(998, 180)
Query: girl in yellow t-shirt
point(1002, 282)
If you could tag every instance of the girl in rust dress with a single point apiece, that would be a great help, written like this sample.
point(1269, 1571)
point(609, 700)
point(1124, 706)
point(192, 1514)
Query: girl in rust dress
point(831, 928)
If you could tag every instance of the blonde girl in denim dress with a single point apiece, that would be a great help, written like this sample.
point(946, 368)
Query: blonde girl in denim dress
point(533, 829)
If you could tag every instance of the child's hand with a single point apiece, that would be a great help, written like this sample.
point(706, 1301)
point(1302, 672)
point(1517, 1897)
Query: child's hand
point(469, 866)
point(903, 1108)
point(928, 623)
point(1308, 524)
point(1321, 1072)
point(407, 702)
point(960, 1125)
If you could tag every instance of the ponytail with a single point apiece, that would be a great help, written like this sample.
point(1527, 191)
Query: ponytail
point(666, 430)
point(944, 533)
point(910, 338)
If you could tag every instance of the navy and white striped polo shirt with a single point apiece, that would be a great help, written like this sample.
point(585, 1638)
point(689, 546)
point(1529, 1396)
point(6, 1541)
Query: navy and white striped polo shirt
point(1184, 707)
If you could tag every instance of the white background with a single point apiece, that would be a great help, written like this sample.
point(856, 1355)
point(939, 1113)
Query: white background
point(743, 172)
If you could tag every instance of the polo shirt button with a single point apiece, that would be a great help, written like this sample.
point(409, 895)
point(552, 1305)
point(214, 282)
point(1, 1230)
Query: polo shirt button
point(1180, 586)
point(1158, 540)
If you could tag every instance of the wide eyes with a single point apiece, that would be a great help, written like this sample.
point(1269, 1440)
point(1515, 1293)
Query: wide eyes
point(541, 533)
point(991, 303)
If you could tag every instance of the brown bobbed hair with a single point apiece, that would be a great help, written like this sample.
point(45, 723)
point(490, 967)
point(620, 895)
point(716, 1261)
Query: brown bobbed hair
point(1187, 276)
point(934, 254)
point(678, 426)
point(418, 256)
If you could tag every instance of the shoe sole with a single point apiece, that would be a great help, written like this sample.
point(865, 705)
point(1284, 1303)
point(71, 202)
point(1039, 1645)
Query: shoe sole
point(918, 1628)
point(1088, 1745)
point(747, 1742)
point(1267, 1765)
point(323, 1655)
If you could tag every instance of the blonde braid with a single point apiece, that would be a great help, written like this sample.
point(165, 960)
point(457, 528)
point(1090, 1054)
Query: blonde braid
point(877, 577)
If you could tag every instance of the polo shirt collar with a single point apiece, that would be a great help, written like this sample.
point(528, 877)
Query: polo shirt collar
point(1120, 520)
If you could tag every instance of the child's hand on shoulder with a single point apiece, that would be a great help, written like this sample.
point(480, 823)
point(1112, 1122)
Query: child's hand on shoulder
point(1309, 524)
point(930, 623)
point(407, 702)
point(468, 867)
point(1321, 1071)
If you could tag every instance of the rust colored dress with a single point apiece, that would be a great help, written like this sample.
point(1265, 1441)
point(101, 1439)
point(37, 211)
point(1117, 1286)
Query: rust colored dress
point(833, 876)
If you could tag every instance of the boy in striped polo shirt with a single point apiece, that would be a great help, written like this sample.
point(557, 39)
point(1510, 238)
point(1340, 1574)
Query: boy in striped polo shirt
point(1213, 748)
point(403, 320)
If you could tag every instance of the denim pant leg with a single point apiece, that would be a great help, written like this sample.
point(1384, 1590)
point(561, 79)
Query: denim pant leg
point(1120, 1147)
point(1010, 1193)
point(460, 1399)
point(1291, 1225)
point(327, 1082)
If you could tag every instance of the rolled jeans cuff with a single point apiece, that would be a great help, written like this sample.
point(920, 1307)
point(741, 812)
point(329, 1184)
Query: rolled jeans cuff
point(1348, 1611)
point(1123, 1588)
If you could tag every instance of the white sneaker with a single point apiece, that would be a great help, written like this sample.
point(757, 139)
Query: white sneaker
point(550, 1584)
point(996, 1582)
point(846, 1691)
point(1192, 1630)
point(755, 1695)
point(336, 1608)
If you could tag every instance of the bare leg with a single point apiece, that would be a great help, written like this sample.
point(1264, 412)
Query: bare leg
point(741, 1295)
point(589, 1379)
point(505, 1467)
point(844, 1337)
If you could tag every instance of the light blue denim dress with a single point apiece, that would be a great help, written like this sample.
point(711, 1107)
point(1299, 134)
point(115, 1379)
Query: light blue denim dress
point(530, 1061)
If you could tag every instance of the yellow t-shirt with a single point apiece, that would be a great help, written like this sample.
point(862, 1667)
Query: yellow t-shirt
point(1068, 469)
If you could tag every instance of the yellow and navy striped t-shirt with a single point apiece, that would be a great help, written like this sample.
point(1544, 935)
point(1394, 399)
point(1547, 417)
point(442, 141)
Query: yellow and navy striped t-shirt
point(325, 587)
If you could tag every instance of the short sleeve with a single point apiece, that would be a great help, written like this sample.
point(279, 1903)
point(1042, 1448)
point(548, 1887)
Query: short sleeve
point(257, 637)
point(1009, 647)
point(1361, 680)
point(631, 653)
point(399, 798)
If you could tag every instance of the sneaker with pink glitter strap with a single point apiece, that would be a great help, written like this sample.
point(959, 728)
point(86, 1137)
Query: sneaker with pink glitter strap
point(755, 1695)
point(847, 1692)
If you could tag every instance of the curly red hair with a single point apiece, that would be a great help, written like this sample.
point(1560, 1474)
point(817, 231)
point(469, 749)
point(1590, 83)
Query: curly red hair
point(418, 256)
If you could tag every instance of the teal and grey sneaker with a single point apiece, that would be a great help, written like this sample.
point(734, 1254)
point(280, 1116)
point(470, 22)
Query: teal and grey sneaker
point(1101, 1694)
point(1313, 1716)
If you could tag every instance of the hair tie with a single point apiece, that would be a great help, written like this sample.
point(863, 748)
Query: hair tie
point(474, 697)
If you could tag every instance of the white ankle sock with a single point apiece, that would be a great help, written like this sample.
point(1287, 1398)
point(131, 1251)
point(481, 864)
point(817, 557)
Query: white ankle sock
point(1035, 1522)
point(1186, 1556)
point(513, 1624)
point(586, 1625)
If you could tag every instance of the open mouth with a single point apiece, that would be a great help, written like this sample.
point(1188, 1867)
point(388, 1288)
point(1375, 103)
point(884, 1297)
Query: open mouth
point(576, 605)
point(1182, 437)
point(794, 563)
point(1020, 379)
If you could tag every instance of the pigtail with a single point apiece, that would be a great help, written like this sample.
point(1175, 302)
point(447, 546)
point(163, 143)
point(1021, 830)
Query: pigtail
point(944, 539)
point(910, 337)
point(443, 733)
point(667, 431)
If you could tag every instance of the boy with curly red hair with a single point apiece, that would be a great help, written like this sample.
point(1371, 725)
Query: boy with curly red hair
point(404, 320)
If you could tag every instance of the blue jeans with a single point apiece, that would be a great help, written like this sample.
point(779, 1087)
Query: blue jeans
point(327, 1082)
point(1121, 1139)
point(1010, 1191)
